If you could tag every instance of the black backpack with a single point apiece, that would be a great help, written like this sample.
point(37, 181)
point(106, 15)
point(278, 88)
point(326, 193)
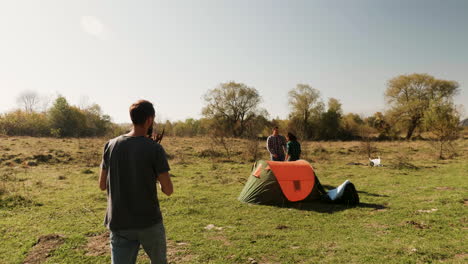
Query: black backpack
point(350, 196)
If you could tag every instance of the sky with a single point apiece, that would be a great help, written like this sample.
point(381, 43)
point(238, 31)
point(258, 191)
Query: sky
point(172, 52)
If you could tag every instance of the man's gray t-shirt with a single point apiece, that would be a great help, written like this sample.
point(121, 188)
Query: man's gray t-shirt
point(132, 165)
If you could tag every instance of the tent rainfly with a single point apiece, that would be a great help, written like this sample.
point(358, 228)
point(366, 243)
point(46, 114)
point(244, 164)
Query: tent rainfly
point(277, 183)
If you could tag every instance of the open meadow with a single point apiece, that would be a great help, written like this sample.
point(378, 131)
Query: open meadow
point(414, 209)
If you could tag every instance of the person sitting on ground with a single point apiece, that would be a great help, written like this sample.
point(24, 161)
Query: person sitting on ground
point(293, 148)
point(132, 164)
point(276, 145)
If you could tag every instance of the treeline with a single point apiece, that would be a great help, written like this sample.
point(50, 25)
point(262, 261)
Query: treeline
point(60, 120)
point(417, 103)
point(329, 127)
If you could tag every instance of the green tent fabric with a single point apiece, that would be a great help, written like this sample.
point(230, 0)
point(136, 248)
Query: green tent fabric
point(262, 187)
point(262, 190)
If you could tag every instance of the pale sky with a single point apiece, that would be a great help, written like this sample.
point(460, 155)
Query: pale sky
point(171, 52)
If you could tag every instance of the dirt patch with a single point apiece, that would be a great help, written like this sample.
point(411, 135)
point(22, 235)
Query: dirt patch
point(222, 239)
point(43, 247)
point(379, 228)
point(177, 252)
point(418, 225)
point(444, 188)
point(281, 227)
point(209, 153)
point(381, 210)
point(376, 225)
point(15, 201)
point(98, 245)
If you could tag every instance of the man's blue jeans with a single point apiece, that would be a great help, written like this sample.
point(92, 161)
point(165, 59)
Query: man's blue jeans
point(126, 243)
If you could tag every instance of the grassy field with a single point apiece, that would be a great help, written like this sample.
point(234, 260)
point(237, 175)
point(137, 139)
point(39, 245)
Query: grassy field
point(413, 210)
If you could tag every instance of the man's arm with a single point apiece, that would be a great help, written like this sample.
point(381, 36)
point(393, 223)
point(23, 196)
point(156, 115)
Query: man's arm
point(104, 166)
point(166, 183)
point(270, 147)
point(268, 144)
point(103, 180)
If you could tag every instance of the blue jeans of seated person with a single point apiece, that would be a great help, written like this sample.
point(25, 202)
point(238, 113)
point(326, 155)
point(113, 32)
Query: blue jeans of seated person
point(126, 243)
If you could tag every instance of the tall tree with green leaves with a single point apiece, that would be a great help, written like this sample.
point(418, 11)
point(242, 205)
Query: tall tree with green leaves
point(306, 108)
point(331, 120)
point(233, 105)
point(66, 120)
point(409, 97)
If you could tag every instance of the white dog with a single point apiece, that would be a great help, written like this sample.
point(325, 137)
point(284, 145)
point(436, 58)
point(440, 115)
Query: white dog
point(375, 162)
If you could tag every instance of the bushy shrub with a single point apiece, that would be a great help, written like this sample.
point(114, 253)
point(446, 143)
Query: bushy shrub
point(24, 123)
point(61, 120)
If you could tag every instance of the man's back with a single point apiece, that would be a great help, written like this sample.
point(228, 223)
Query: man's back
point(132, 164)
point(275, 144)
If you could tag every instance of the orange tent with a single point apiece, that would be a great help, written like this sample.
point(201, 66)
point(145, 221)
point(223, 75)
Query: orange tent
point(274, 182)
point(295, 178)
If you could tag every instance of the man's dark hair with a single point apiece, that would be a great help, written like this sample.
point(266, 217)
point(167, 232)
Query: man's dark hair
point(141, 111)
point(275, 128)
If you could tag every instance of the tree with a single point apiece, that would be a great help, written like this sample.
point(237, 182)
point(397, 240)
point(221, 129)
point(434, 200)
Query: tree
point(66, 120)
point(443, 120)
point(232, 105)
point(351, 126)
point(382, 124)
point(330, 120)
point(409, 97)
point(305, 105)
point(29, 100)
point(96, 124)
point(188, 128)
point(464, 122)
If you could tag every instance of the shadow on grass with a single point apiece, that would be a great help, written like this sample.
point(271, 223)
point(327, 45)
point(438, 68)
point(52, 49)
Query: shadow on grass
point(330, 208)
point(373, 194)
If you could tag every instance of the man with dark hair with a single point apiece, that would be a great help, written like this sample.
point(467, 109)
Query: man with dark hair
point(131, 166)
point(275, 145)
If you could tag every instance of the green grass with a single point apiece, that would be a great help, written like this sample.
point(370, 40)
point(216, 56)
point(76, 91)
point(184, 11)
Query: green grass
point(406, 215)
